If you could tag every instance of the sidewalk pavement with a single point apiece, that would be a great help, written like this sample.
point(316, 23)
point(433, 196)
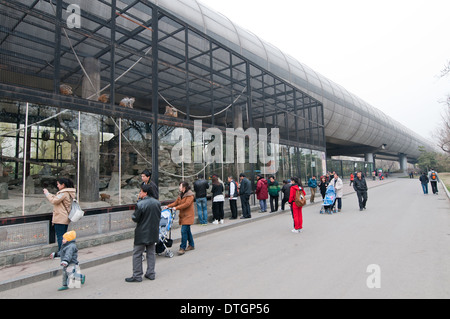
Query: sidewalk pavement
point(44, 268)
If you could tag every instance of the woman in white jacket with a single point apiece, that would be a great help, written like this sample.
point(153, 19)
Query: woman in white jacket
point(339, 187)
point(218, 200)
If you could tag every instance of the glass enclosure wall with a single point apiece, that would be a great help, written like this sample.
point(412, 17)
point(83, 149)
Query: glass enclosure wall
point(51, 146)
point(346, 167)
point(132, 88)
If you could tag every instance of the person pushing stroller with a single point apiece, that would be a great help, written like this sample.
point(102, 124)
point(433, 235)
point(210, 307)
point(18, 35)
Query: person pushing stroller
point(329, 200)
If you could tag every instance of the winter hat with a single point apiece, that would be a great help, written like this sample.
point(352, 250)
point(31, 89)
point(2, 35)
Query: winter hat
point(72, 235)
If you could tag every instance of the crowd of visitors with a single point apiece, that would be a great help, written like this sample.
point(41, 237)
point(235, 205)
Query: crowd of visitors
point(148, 209)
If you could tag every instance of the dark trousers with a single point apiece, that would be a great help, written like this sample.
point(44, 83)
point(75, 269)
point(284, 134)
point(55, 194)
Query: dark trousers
point(273, 203)
point(60, 230)
point(233, 207)
point(339, 201)
point(434, 187)
point(245, 206)
point(217, 208)
point(186, 236)
point(284, 201)
point(362, 198)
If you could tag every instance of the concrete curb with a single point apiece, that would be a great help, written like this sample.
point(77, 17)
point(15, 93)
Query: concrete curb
point(85, 264)
point(445, 189)
point(57, 271)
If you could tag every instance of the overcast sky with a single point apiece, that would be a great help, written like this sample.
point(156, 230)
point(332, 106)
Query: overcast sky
point(389, 53)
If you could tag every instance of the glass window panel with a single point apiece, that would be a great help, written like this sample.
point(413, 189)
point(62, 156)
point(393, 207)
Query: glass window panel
point(252, 47)
point(188, 8)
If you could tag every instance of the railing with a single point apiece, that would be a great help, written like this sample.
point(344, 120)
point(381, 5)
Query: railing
point(25, 231)
point(33, 230)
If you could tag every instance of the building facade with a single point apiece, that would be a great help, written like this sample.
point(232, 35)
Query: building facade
point(98, 91)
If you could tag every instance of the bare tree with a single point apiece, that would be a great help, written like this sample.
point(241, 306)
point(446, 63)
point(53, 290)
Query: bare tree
point(446, 70)
point(443, 133)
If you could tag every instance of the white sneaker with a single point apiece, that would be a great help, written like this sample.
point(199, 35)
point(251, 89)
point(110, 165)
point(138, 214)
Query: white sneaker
point(221, 221)
point(294, 230)
point(215, 222)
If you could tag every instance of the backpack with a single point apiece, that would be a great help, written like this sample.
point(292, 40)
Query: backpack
point(433, 176)
point(236, 189)
point(76, 212)
point(300, 200)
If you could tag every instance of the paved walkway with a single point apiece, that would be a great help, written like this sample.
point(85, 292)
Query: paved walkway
point(34, 271)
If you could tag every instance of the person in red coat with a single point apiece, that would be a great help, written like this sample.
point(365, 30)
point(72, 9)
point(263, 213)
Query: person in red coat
point(296, 211)
point(262, 192)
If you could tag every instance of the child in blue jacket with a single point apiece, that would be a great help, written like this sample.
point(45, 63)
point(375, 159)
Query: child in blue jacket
point(69, 257)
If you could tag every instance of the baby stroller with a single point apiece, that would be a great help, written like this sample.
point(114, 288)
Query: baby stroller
point(165, 233)
point(328, 201)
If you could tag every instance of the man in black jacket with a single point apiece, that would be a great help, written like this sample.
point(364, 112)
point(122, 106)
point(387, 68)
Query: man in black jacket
point(245, 190)
point(200, 187)
point(424, 181)
point(147, 216)
point(286, 191)
point(360, 186)
point(146, 176)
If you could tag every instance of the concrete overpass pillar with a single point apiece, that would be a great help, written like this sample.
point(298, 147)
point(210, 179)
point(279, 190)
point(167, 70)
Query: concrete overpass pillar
point(369, 157)
point(404, 163)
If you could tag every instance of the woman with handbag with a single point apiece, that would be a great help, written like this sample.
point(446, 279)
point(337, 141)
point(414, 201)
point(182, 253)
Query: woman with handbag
point(297, 194)
point(62, 203)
